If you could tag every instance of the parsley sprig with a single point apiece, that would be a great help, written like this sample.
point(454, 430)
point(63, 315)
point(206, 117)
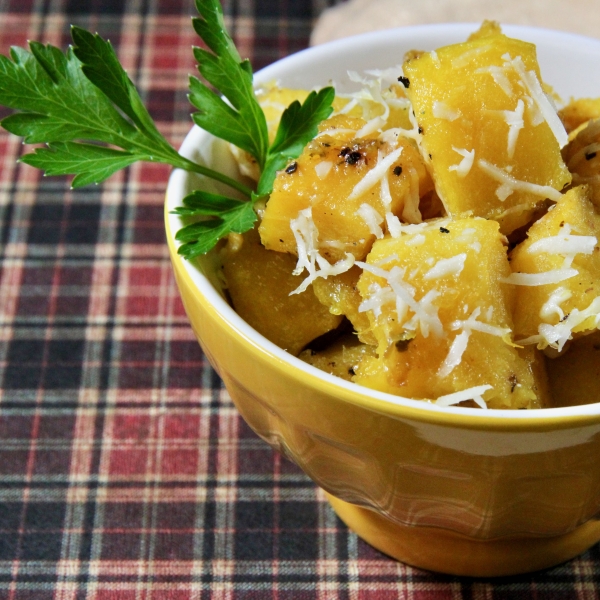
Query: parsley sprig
point(84, 107)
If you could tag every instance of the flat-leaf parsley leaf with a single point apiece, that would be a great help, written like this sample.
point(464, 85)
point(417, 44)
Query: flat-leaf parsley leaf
point(84, 107)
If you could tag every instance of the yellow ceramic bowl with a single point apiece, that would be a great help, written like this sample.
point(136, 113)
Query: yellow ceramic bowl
point(456, 490)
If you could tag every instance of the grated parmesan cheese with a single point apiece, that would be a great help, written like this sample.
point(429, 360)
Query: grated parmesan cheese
point(411, 212)
point(375, 174)
point(514, 120)
point(425, 317)
point(416, 240)
point(511, 184)
point(565, 244)
point(322, 169)
point(556, 336)
point(534, 88)
point(466, 58)
point(394, 226)
point(552, 306)
point(474, 393)
point(442, 111)
point(454, 358)
point(473, 324)
point(446, 266)
point(545, 278)
point(500, 78)
point(371, 126)
point(307, 238)
point(348, 107)
point(372, 219)
point(464, 166)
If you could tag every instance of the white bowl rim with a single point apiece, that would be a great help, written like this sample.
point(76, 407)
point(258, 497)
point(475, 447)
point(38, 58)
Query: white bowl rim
point(197, 136)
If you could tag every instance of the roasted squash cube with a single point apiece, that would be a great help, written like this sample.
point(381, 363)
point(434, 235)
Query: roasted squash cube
point(578, 112)
point(259, 283)
point(341, 358)
point(492, 136)
point(340, 294)
point(557, 273)
point(582, 156)
point(442, 316)
point(330, 178)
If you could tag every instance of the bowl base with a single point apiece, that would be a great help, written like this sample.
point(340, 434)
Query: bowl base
point(446, 552)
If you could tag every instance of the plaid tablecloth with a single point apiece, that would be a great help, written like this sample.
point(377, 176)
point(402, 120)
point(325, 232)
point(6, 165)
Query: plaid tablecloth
point(125, 471)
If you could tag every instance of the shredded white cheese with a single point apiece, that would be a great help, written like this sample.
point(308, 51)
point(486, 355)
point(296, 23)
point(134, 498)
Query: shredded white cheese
point(466, 58)
point(375, 174)
point(442, 111)
point(564, 243)
point(349, 106)
point(371, 126)
point(371, 218)
point(394, 226)
point(464, 166)
point(385, 194)
point(561, 332)
point(535, 279)
point(322, 169)
point(337, 131)
point(425, 317)
point(552, 306)
point(536, 92)
point(556, 336)
point(411, 212)
point(474, 393)
point(454, 358)
point(446, 266)
point(415, 240)
point(514, 120)
point(500, 78)
point(512, 184)
point(307, 239)
point(473, 324)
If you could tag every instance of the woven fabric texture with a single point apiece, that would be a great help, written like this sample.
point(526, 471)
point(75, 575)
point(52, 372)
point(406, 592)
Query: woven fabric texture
point(125, 471)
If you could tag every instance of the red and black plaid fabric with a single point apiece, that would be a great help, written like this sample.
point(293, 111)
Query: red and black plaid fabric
point(125, 471)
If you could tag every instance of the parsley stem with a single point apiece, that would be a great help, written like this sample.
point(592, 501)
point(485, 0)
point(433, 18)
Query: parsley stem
point(189, 165)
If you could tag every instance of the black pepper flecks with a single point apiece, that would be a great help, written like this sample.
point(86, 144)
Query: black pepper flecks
point(444, 230)
point(404, 81)
point(350, 156)
point(291, 168)
point(402, 345)
point(420, 129)
point(397, 170)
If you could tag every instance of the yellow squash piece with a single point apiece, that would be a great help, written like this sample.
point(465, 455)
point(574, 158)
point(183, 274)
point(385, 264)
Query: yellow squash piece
point(563, 242)
point(340, 294)
point(259, 283)
point(340, 358)
point(578, 112)
point(442, 316)
point(323, 179)
point(575, 376)
point(492, 136)
point(582, 156)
